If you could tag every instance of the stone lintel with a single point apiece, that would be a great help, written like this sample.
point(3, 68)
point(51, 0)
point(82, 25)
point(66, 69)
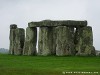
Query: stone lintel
point(48, 23)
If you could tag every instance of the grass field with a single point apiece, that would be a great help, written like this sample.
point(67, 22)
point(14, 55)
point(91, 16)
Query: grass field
point(50, 65)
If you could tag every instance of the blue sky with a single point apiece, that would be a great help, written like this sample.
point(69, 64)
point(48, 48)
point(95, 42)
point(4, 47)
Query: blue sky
point(21, 12)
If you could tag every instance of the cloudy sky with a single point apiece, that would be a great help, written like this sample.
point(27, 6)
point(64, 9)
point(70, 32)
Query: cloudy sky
point(21, 12)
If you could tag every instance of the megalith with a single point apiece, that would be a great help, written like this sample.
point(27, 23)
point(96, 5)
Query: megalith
point(51, 23)
point(19, 41)
point(30, 41)
point(45, 42)
point(59, 37)
point(84, 42)
point(65, 41)
point(12, 38)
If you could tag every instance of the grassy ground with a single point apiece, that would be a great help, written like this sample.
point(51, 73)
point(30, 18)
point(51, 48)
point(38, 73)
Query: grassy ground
point(50, 65)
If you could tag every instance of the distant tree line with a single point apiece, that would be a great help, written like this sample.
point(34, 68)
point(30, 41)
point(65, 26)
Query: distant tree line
point(3, 50)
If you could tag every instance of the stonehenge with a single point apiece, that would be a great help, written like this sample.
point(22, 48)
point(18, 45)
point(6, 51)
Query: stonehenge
point(60, 38)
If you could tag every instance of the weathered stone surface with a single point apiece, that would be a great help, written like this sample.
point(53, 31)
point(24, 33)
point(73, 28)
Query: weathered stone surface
point(49, 23)
point(65, 41)
point(12, 38)
point(30, 41)
point(19, 41)
point(93, 51)
point(84, 43)
point(54, 31)
point(45, 43)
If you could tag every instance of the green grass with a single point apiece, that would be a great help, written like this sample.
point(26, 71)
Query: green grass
point(50, 65)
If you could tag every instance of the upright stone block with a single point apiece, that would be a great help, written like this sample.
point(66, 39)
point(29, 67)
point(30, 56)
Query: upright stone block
point(30, 41)
point(84, 44)
point(45, 43)
point(19, 41)
point(12, 38)
point(65, 41)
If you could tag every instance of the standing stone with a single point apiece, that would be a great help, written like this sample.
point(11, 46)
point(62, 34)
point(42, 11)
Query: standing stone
point(12, 38)
point(30, 41)
point(45, 44)
point(19, 41)
point(84, 44)
point(65, 41)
